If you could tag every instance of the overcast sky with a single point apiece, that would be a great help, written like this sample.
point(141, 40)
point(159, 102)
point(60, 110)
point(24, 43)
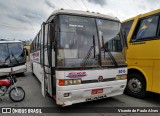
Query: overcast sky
point(22, 19)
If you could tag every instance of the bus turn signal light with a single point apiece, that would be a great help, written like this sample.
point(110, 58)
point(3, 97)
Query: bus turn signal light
point(61, 83)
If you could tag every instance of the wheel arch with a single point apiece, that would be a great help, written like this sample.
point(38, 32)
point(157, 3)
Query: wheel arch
point(142, 73)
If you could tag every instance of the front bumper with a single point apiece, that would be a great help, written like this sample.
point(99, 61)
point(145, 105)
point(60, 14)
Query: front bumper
point(82, 92)
point(16, 69)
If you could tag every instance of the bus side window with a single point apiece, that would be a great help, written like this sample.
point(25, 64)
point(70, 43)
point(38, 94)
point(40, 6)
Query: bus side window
point(126, 26)
point(158, 30)
point(146, 28)
point(53, 43)
point(42, 45)
point(38, 41)
point(46, 35)
point(52, 32)
point(33, 45)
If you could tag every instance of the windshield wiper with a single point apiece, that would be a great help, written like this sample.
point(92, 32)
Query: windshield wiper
point(109, 53)
point(6, 58)
point(85, 61)
point(14, 57)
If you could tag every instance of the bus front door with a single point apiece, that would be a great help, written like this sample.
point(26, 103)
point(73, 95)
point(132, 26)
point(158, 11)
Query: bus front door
point(45, 50)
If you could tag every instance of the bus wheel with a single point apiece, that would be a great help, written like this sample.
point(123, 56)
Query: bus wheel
point(136, 86)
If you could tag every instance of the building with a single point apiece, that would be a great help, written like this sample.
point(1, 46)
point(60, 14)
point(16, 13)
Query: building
point(27, 52)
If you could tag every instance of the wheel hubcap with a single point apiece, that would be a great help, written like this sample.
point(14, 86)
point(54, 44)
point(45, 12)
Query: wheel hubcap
point(134, 85)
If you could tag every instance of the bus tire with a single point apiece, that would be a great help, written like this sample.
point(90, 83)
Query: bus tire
point(136, 85)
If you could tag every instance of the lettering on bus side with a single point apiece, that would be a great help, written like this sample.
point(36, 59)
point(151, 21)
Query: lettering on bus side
point(137, 43)
point(36, 56)
point(76, 74)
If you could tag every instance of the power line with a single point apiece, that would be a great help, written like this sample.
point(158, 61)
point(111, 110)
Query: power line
point(67, 4)
point(70, 5)
point(85, 5)
point(80, 5)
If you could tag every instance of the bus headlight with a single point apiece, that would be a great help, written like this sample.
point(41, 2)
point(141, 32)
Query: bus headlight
point(120, 77)
point(69, 82)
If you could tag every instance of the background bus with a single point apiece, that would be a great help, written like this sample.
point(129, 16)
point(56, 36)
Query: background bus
point(12, 57)
point(143, 53)
point(79, 56)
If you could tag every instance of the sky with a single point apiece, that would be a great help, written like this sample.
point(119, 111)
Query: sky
point(22, 19)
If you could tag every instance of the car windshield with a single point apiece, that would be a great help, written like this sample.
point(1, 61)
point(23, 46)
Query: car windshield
point(11, 54)
point(80, 42)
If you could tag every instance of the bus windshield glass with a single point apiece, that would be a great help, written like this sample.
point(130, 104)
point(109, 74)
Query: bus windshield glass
point(12, 54)
point(4, 57)
point(81, 38)
point(110, 42)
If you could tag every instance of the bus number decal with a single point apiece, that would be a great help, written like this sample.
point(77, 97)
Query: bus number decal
point(121, 71)
point(77, 74)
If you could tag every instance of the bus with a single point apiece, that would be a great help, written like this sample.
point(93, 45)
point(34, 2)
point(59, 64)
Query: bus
point(79, 56)
point(143, 53)
point(12, 57)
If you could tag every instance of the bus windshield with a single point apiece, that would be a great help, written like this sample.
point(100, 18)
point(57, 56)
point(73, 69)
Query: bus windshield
point(12, 54)
point(111, 44)
point(82, 40)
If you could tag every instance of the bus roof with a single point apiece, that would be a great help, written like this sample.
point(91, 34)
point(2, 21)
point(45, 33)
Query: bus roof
point(8, 41)
point(81, 13)
point(143, 15)
point(128, 19)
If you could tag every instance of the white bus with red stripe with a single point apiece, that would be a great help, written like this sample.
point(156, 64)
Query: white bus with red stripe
point(79, 56)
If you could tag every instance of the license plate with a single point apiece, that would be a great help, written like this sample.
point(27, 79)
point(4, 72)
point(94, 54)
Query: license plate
point(97, 91)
